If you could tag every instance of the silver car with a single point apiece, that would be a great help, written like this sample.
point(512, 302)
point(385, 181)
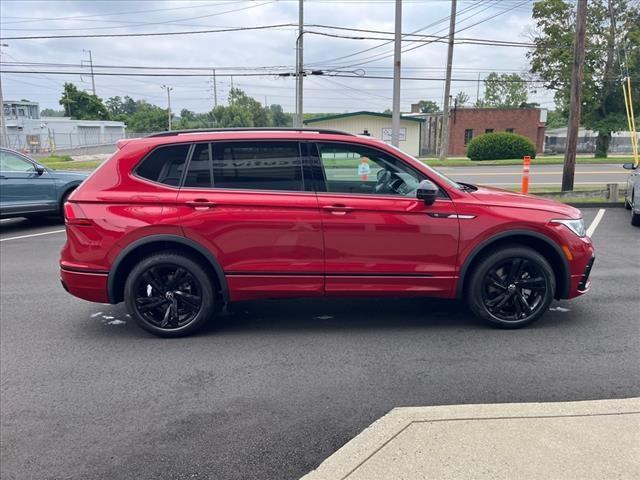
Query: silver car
point(632, 199)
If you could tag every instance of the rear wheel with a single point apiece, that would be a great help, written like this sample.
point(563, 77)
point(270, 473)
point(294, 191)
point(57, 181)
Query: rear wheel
point(170, 295)
point(64, 199)
point(511, 287)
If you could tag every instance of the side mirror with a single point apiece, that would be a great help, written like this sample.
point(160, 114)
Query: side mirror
point(39, 169)
point(427, 192)
point(629, 166)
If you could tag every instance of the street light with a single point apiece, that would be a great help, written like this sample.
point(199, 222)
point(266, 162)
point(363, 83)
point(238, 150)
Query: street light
point(168, 89)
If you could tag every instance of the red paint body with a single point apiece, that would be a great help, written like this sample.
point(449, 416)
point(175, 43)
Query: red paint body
point(276, 244)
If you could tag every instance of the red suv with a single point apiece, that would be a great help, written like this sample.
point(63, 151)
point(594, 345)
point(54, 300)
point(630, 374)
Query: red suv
point(178, 224)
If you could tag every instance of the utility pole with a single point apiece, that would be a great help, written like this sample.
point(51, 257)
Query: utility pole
point(299, 66)
point(577, 75)
point(4, 139)
point(397, 53)
point(478, 91)
point(444, 147)
point(215, 89)
point(168, 89)
point(93, 81)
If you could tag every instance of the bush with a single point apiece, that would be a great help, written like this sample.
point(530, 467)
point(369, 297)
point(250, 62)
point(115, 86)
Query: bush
point(500, 146)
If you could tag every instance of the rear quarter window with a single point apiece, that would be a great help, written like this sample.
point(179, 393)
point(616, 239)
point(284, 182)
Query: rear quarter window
point(164, 165)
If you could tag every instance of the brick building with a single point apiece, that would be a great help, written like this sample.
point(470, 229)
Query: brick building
point(468, 123)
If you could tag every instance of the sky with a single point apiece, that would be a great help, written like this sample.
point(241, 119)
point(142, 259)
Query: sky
point(266, 52)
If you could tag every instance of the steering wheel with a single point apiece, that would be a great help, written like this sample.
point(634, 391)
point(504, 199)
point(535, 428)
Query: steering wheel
point(387, 182)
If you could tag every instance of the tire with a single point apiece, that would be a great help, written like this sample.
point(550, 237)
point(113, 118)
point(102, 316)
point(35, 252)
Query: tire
point(497, 293)
point(166, 308)
point(63, 200)
point(635, 217)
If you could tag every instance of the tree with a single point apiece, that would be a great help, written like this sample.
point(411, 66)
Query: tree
point(504, 91)
point(556, 119)
point(278, 118)
point(461, 98)
point(50, 112)
point(82, 105)
point(147, 118)
point(612, 26)
point(428, 106)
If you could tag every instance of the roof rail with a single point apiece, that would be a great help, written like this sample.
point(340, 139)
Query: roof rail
point(249, 129)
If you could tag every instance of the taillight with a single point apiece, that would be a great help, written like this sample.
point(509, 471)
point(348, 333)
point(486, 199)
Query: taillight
point(73, 215)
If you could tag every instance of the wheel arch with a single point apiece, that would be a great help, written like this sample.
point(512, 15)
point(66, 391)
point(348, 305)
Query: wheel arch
point(537, 241)
point(130, 255)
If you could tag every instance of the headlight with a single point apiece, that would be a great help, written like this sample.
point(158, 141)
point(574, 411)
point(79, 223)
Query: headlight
point(576, 226)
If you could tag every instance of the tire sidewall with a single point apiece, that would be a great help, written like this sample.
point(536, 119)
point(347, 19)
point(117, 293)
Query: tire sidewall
point(475, 299)
point(208, 298)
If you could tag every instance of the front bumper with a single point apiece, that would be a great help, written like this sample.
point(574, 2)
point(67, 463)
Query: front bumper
point(90, 286)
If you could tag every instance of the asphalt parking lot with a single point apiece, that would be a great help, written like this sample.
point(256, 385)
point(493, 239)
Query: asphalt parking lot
point(274, 387)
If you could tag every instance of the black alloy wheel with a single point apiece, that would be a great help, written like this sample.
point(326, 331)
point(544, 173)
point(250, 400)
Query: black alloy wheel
point(512, 287)
point(169, 294)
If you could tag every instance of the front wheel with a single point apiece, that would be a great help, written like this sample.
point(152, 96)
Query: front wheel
point(169, 295)
point(511, 287)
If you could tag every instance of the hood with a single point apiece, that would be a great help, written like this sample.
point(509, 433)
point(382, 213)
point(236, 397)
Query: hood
point(505, 198)
point(69, 176)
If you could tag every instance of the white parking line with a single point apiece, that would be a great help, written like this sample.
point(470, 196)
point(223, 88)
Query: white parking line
point(596, 221)
point(31, 235)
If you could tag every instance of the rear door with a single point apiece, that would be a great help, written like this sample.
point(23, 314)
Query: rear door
point(22, 189)
point(378, 236)
point(248, 203)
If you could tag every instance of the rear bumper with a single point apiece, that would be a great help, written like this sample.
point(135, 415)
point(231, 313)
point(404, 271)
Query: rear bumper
point(90, 286)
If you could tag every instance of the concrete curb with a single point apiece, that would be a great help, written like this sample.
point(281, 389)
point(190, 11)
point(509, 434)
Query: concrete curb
point(388, 449)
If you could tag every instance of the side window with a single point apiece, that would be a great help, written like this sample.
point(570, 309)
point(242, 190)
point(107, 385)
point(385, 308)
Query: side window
point(13, 163)
point(510, 130)
point(199, 170)
point(361, 170)
point(164, 165)
point(257, 166)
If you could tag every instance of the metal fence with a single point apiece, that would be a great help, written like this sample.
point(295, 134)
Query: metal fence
point(620, 144)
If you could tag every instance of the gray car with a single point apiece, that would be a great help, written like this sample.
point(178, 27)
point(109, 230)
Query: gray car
point(28, 189)
point(632, 199)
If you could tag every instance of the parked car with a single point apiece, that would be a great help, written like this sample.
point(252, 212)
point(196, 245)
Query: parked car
point(28, 189)
point(178, 224)
point(632, 198)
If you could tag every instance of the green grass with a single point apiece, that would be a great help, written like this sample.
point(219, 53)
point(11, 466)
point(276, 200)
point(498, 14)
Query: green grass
point(67, 163)
point(551, 160)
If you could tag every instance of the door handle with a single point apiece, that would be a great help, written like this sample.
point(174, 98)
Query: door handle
point(337, 209)
point(200, 204)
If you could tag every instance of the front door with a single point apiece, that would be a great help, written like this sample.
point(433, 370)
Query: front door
point(22, 188)
point(248, 202)
point(378, 237)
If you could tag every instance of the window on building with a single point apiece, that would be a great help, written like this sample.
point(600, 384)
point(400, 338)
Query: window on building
point(468, 135)
point(164, 165)
point(488, 130)
point(510, 130)
point(257, 166)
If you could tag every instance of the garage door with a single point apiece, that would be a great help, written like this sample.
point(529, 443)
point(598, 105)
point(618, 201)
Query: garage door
point(88, 135)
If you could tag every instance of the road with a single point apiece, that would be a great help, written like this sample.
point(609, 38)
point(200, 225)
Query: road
point(541, 175)
point(275, 387)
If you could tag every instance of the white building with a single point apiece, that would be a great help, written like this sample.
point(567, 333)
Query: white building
point(378, 125)
point(27, 130)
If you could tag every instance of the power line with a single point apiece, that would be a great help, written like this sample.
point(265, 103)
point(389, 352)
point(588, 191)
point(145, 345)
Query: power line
point(151, 34)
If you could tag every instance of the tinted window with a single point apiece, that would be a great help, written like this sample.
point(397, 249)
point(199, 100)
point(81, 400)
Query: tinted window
point(199, 170)
point(257, 166)
point(362, 170)
point(164, 165)
point(13, 163)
